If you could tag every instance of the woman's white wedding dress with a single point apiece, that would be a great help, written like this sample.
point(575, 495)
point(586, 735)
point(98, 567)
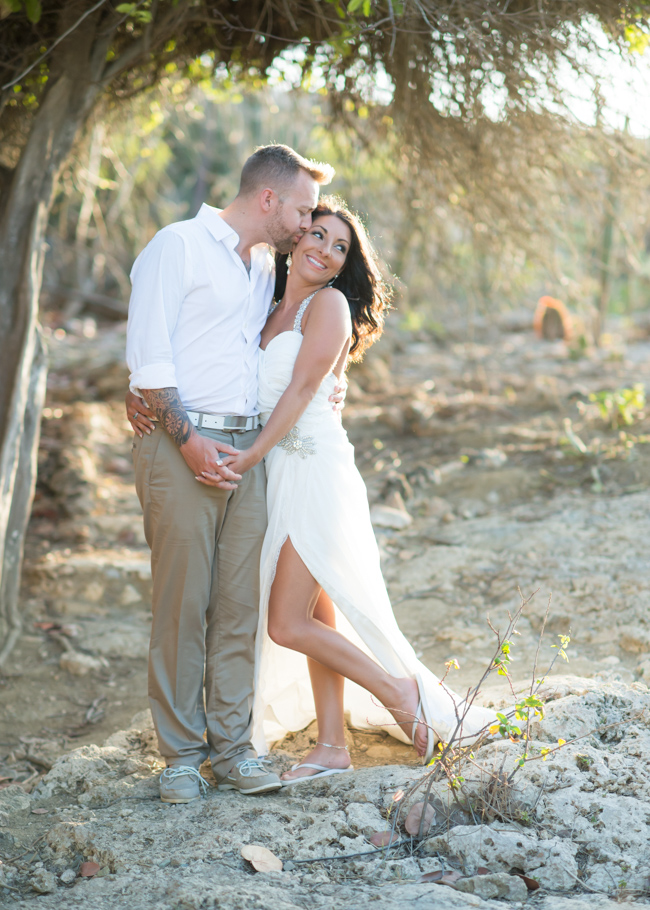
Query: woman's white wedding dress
point(317, 497)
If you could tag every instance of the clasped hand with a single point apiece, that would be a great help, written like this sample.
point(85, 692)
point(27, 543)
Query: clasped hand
point(211, 462)
point(233, 465)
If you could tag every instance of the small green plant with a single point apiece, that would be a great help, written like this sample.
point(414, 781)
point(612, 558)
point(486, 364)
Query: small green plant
point(490, 793)
point(620, 407)
point(454, 760)
point(502, 658)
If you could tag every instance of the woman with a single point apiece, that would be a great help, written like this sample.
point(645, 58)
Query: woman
point(320, 548)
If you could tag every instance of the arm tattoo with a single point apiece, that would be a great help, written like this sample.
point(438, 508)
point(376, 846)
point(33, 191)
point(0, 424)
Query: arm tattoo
point(169, 410)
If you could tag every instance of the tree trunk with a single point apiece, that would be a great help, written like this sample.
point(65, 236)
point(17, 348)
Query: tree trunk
point(605, 256)
point(21, 502)
point(23, 220)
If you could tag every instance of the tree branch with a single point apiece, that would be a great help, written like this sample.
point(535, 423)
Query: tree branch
point(139, 48)
point(74, 26)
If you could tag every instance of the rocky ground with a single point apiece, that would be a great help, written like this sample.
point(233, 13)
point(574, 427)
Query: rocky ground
point(489, 469)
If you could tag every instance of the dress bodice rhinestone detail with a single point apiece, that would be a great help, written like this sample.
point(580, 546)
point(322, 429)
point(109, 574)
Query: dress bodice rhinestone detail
point(294, 442)
point(297, 322)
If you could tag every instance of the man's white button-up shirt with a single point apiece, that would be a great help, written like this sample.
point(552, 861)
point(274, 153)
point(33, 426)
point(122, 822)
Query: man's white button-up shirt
point(196, 315)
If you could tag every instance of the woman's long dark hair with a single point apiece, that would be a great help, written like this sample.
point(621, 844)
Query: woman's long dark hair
point(360, 279)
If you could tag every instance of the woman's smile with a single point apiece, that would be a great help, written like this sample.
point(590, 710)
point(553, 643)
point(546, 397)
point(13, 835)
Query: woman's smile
point(324, 248)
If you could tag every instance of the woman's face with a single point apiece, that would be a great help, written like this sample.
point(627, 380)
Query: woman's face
point(322, 251)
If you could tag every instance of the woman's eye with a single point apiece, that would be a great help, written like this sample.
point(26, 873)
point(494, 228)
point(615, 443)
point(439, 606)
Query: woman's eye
point(318, 234)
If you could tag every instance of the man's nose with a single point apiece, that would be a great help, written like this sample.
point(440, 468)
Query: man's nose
point(305, 222)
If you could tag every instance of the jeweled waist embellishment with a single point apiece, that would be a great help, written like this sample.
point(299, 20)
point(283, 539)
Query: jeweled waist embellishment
point(294, 442)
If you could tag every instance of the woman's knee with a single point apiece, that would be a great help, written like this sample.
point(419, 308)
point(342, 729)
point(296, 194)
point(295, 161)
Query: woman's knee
point(281, 632)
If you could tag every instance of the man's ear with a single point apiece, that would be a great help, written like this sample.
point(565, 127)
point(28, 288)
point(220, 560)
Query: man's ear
point(267, 199)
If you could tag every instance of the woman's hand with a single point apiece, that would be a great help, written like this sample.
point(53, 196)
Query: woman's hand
point(240, 463)
point(139, 415)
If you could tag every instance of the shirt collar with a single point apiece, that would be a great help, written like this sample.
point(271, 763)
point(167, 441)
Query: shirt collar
point(223, 232)
point(220, 229)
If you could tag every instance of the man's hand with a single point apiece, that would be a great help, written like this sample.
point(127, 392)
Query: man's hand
point(203, 457)
point(338, 395)
point(239, 462)
point(201, 453)
point(139, 415)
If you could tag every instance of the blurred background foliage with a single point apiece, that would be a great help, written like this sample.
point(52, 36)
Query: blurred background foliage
point(487, 226)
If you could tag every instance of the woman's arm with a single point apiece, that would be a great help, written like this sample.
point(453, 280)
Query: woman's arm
point(327, 331)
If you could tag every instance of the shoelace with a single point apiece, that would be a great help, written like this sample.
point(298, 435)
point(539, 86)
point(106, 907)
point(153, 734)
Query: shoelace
point(249, 765)
point(170, 774)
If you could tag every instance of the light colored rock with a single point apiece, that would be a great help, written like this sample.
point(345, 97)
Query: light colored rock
point(498, 885)
point(80, 770)
point(387, 517)
point(93, 592)
point(13, 802)
point(79, 664)
point(118, 637)
point(137, 838)
point(490, 458)
point(551, 861)
point(68, 876)
point(71, 582)
point(130, 596)
point(635, 639)
point(364, 818)
point(14, 799)
point(436, 507)
point(43, 882)
point(642, 671)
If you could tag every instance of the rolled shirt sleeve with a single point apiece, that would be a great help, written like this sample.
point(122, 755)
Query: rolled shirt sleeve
point(159, 281)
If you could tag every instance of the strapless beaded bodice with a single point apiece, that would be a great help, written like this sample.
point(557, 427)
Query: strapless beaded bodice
point(275, 370)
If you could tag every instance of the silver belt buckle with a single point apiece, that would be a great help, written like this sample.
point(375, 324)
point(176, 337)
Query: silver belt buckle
point(235, 424)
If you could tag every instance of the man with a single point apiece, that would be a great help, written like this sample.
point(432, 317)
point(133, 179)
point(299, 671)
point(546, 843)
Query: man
point(201, 293)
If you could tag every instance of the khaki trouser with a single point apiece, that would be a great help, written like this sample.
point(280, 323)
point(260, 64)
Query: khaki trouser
point(205, 555)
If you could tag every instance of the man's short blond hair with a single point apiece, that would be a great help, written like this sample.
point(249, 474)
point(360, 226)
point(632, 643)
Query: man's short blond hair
point(276, 167)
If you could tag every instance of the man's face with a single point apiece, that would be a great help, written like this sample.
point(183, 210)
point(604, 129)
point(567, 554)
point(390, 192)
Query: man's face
point(291, 216)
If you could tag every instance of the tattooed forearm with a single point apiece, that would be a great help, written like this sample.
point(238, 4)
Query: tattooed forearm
point(169, 410)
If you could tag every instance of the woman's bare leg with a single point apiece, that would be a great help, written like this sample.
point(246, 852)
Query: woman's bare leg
point(327, 685)
point(292, 624)
point(328, 698)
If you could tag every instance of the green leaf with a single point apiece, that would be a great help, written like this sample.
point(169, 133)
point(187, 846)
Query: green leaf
point(33, 10)
point(127, 9)
point(636, 38)
point(354, 5)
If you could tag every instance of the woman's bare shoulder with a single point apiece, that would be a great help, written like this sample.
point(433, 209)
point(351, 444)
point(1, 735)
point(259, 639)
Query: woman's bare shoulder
point(331, 299)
